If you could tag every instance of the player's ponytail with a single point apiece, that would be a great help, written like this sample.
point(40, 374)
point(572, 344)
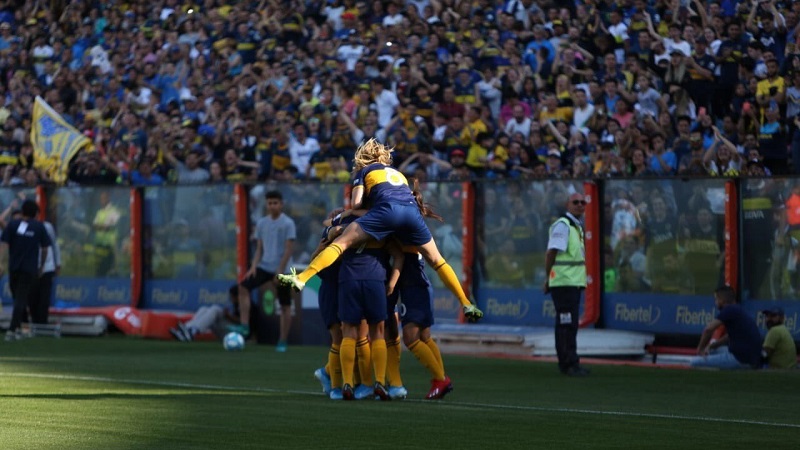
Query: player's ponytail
point(424, 208)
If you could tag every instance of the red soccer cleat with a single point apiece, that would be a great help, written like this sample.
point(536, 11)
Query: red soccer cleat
point(439, 388)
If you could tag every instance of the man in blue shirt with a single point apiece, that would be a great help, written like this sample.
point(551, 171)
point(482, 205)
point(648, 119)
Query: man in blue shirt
point(740, 347)
point(27, 242)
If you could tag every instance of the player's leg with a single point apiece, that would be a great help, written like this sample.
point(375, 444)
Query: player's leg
point(285, 300)
point(431, 254)
point(347, 356)
point(392, 337)
point(352, 235)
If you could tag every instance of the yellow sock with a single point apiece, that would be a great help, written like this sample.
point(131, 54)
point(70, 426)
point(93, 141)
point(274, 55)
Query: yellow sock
point(323, 260)
point(393, 362)
point(347, 356)
point(436, 353)
point(334, 366)
point(450, 280)
point(425, 356)
point(379, 360)
point(365, 362)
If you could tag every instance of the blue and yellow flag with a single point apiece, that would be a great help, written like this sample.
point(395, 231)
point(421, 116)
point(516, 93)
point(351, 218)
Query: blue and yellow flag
point(54, 141)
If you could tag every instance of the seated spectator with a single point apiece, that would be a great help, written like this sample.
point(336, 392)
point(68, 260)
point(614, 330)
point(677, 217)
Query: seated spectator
point(779, 351)
point(740, 347)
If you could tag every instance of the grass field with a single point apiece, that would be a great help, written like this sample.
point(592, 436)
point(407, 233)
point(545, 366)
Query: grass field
point(125, 393)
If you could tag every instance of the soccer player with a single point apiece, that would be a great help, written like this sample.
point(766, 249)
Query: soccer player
point(416, 315)
point(394, 210)
point(331, 375)
point(363, 288)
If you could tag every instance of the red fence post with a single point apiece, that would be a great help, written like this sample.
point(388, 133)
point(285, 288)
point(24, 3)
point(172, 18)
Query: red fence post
point(467, 237)
point(731, 236)
point(41, 201)
point(242, 230)
point(137, 243)
point(593, 248)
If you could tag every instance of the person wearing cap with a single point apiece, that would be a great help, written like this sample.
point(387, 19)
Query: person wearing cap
point(779, 349)
point(739, 347)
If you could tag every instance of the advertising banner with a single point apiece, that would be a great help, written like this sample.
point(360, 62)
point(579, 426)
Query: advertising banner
point(185, 295)
point(518, 307)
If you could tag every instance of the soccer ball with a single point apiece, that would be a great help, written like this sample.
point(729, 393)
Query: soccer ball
point(233, 342)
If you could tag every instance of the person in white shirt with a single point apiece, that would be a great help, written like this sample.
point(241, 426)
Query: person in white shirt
point(393, 17)
point(582, 111)
point(333, 12)
point(519, 123)
point(301, 147)
point(350, 52)
point(386, 101)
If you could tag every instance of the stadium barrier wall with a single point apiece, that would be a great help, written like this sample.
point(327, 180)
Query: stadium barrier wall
point(180, 247)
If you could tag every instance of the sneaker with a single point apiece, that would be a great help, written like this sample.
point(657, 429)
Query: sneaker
point(472, 313)
point(11, 336)
point(336, 394)
point(380, 392)
point(397, 392)
point(439, 388)
point(347, 392)
point(177, 333)
point(281, 348)
point(291, 280)
point(189, 332)
point(323, 379)
point(363, 391)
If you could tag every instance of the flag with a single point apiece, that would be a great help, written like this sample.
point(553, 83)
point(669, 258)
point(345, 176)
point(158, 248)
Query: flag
point(54, 141)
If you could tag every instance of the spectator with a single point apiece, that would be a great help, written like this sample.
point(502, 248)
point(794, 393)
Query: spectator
point(779, 348)
point(740, 347)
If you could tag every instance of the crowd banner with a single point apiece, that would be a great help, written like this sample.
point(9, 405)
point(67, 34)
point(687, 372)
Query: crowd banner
point(54, 141)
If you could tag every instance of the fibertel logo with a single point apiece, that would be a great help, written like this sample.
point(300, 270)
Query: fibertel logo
point(516, 309)
point(648, 315)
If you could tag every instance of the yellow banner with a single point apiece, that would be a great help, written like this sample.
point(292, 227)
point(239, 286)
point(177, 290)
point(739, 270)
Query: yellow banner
point(54, 141)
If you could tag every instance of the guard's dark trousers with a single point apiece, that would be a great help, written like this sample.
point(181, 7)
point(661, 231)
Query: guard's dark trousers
point(567, 301)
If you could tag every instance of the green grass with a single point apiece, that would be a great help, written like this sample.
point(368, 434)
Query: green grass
point(125, 393)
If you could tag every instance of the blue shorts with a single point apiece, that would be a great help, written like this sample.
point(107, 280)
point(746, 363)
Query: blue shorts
point(417, 305)
point(404, 221)
point(329, 303)
point(362, 299)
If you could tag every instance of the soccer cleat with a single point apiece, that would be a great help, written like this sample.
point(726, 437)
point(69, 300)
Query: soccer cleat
point(347, 392)
point(381, 393)
point(363, 391)
point(439, 388)
point(291, 280)
point(336, 394)
point(577, 371)
point(282, 347)
point(397, 392)
point(472, 313)
point(323, 379)
point(178, 334)
point(189, 332)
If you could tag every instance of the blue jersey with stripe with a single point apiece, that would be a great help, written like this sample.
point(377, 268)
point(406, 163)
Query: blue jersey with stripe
point(383, 184)
point(413, 273)
point(368, 262)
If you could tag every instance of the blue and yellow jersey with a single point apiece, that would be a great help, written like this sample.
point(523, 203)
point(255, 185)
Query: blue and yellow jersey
point(413, 272)
point(383, 184)
point(367, 262)
point(281, 159)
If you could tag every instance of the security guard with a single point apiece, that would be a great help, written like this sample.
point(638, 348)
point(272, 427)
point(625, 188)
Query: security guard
point(565, 264)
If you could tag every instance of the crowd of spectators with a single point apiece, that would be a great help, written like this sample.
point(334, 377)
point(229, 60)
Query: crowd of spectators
point(213, 91)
